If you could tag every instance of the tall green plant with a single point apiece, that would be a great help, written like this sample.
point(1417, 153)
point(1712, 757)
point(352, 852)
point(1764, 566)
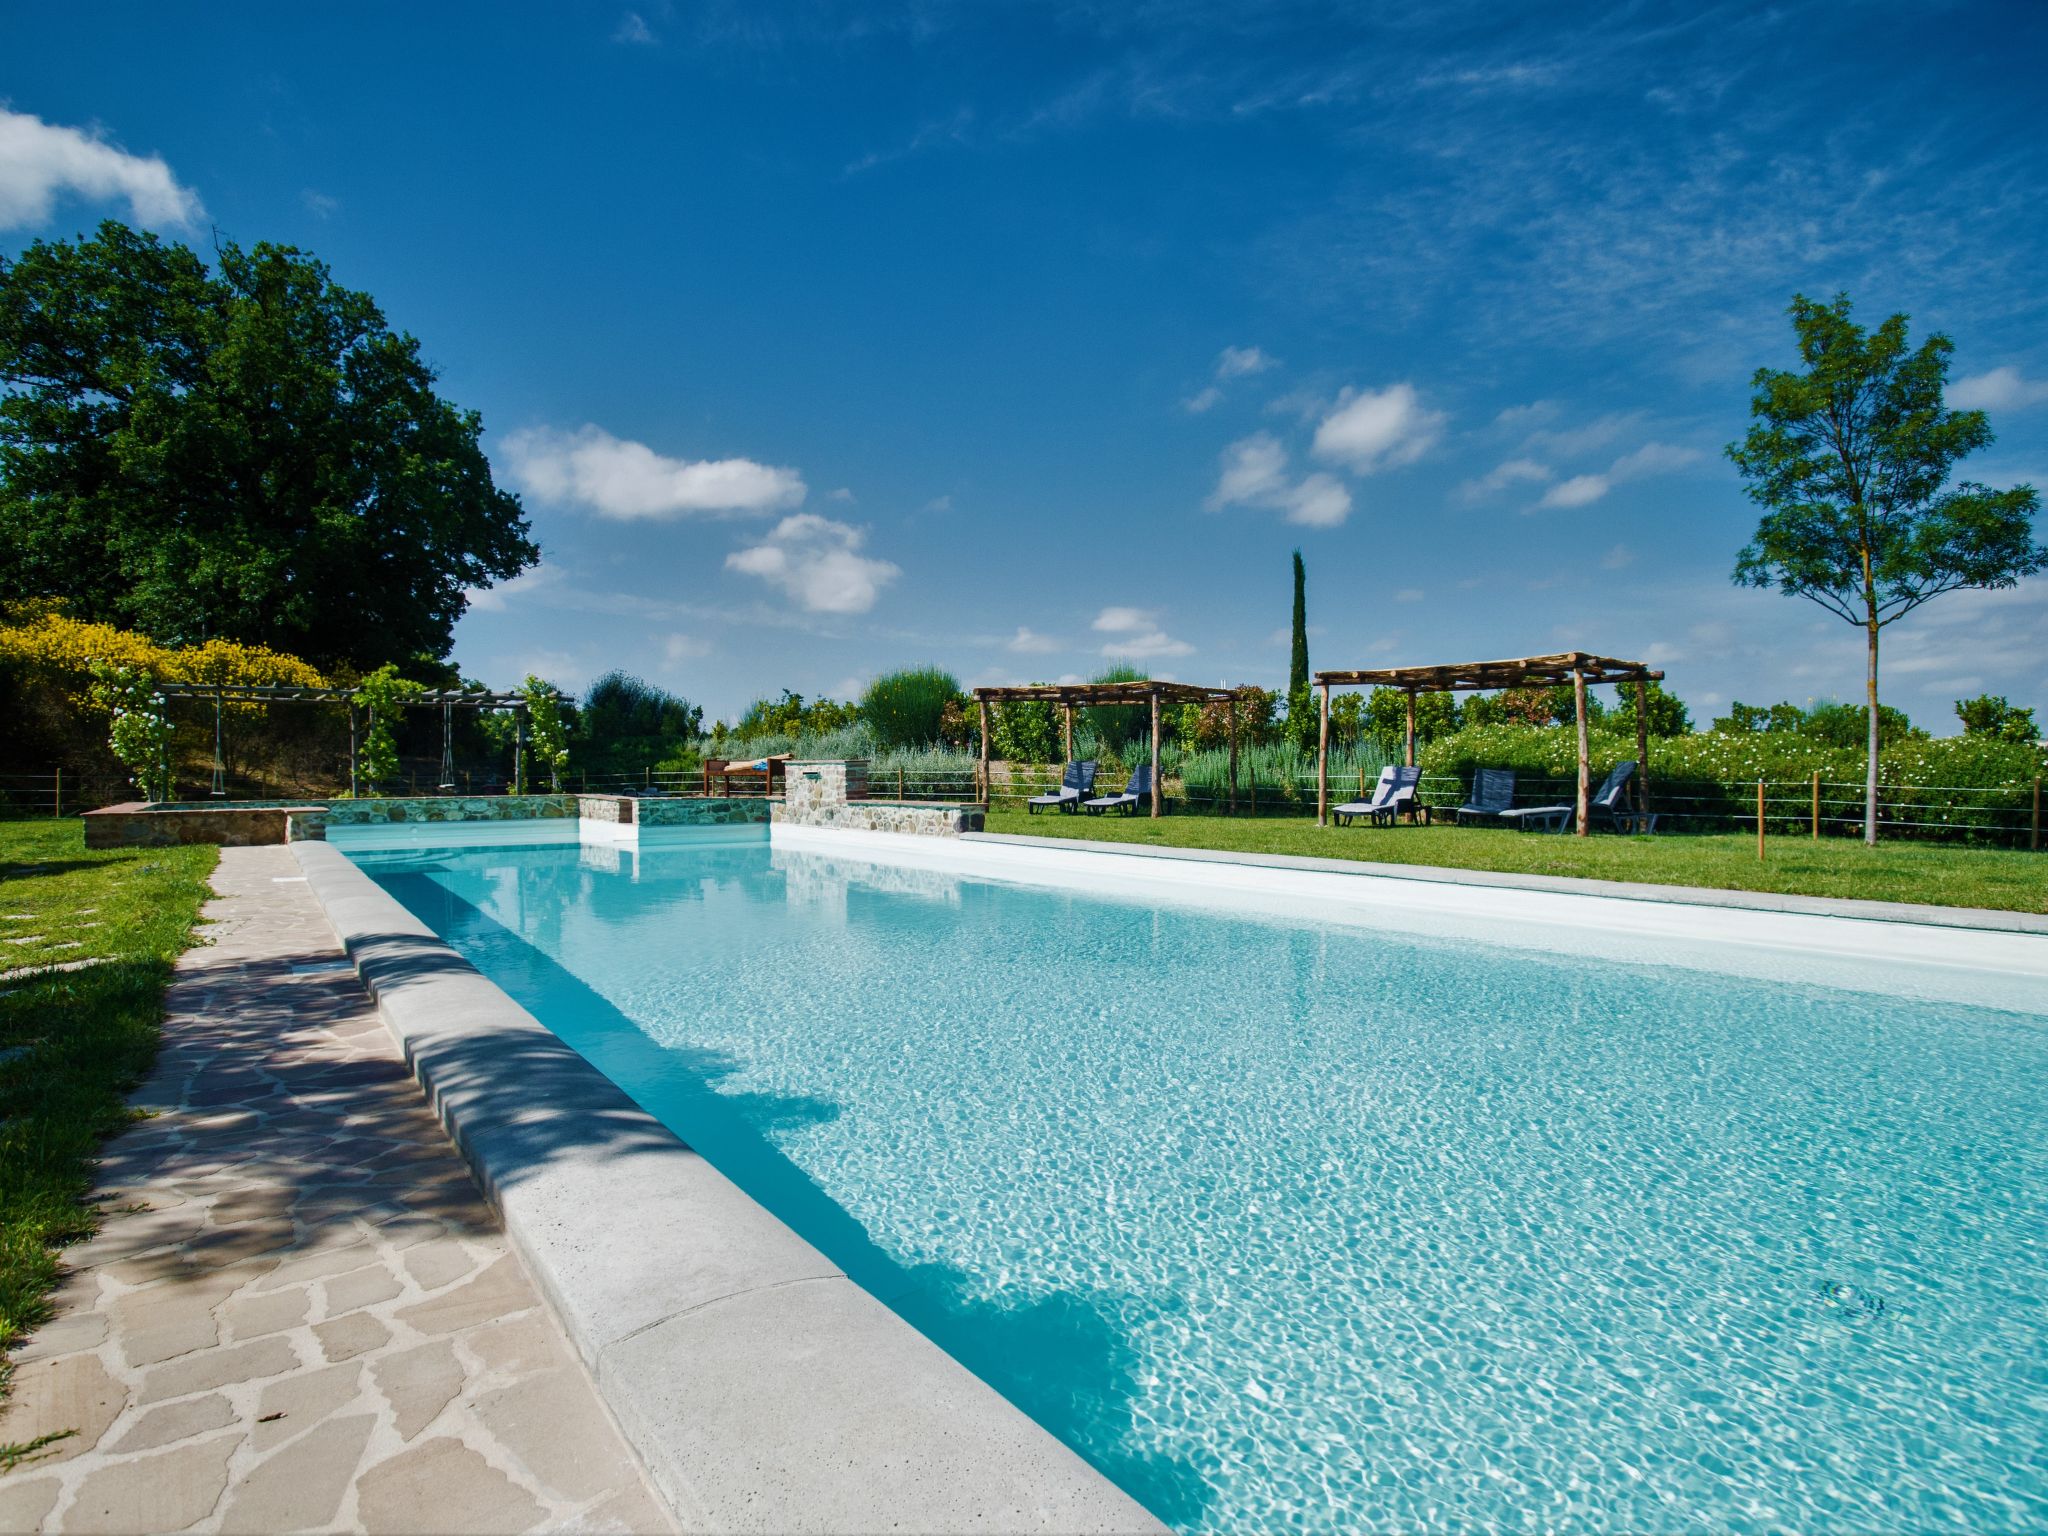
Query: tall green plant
point(140, 735)
point(906, 709)
point(1297, 656)
point(1116, 726)
point(1852, 460)
point(550, 736)
point(385, 694)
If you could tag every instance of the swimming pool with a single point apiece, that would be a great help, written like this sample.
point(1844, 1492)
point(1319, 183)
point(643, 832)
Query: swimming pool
point(1287, 1223)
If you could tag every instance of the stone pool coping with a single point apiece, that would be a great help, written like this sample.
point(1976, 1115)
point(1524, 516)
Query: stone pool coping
point(1988, 919)
point(761, 1387)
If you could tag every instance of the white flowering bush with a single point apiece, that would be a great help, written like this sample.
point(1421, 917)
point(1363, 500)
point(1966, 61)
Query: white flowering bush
point(140, 733)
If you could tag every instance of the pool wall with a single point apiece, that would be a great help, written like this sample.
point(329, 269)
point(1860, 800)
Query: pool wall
point(763, 1389)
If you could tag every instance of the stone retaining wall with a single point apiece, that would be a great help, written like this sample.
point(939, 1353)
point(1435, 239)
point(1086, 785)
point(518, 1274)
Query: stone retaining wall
point(138, 825)
point(885, 816)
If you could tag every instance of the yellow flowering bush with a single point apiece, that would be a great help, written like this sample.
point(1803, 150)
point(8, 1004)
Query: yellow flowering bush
point(62, 652)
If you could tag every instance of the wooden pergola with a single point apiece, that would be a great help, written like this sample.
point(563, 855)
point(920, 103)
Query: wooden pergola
point(447, 700)
point(1579, 668)
point(1146, 691)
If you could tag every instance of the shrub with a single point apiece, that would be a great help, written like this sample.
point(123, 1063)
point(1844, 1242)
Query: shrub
point(1026, 731)
point(1116, 726)
point(1996, 717)
point(908, 708)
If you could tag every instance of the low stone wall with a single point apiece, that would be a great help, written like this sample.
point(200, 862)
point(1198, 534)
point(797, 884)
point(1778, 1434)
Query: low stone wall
point(884, 816)
point(311, 825)
point(715, 811)
point(139, 825)
point(833, 793)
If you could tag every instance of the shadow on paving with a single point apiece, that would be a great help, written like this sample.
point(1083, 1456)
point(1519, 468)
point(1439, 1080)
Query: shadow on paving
point(1065, 1359)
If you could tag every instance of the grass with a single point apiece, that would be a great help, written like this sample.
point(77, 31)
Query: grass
point(74, 1044)
point(1940, 874)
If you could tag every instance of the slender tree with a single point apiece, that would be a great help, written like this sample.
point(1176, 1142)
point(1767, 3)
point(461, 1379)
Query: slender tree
point(1297, 661)
point(1851, 461)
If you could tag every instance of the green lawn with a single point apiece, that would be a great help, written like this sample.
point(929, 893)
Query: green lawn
point(74, 1044)
point(2013, 880)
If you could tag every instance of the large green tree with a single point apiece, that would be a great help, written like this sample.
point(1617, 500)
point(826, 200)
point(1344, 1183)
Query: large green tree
point(1852, 460)
point(246, 451)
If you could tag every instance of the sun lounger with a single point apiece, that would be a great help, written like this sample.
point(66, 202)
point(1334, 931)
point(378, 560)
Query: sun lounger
point(1074, 786)
point(1558, 818)
point(1138, 791)
point(1493, 794)
point(1394, 794)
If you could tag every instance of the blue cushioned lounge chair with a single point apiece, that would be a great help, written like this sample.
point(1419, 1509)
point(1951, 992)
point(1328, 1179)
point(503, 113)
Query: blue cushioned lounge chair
point(1074, 786)
point(1135, 793)
point(1394, 794)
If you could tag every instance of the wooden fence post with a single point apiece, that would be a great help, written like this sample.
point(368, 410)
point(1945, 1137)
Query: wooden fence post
point(58, 810)
point(1816, 802)
point(1759, 821)
point(899, 783)
point(2037, 814)
point(1254, 785)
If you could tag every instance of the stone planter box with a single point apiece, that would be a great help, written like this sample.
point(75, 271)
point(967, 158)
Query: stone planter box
point(136, 824)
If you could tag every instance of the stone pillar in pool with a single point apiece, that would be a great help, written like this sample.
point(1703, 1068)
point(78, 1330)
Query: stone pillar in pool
point(812, 787)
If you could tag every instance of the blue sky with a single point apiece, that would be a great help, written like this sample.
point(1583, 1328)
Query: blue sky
point(825, 339)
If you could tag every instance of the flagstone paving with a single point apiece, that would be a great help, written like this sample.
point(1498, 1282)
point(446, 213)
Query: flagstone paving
point(299, 1314)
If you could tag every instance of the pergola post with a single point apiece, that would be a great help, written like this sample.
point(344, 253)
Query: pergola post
point(519, 751)
point(1067, 707)
point(1411, 726)
point(1155, 753)
point(987, 799)
point(1585, 749)
point(219, 789)
point(1642, 745)
point(1232, 708)
point(1323, 761)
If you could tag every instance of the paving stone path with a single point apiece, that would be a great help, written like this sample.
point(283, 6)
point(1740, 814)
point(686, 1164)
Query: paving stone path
point(302, 1316)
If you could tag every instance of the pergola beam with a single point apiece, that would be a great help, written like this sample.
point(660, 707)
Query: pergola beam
point(1515, 672)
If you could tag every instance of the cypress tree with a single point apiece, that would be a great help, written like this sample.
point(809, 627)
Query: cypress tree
point(1297, 663)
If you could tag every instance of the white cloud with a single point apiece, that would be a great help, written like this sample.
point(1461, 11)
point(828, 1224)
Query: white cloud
point(843, 493)
point(1579, 491)
point(1207, 399)
point(818, 563)
point(38, 160)
point(319, 204)
point(1118, 621)
point(633, 28)
point(1255, 475)
point(1653, 459)
point(1410, 595)
point(1138, 635)
point(2002, 389)
point(525, 584)
point(1501, 476)
point(684, 647)
point(1370, 430)
point(1567, 442)
point(1145, 647)
point(1617, 558)
point(938, 504)
point(617, 478)
point(1650, 459)
point(1241, 362)
point(1028, 642)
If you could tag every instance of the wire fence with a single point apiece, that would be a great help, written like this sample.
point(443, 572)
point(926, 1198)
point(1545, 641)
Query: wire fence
point(2006, 814)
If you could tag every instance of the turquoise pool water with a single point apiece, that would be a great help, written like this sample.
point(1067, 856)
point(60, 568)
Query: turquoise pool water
point(1292, 1226)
